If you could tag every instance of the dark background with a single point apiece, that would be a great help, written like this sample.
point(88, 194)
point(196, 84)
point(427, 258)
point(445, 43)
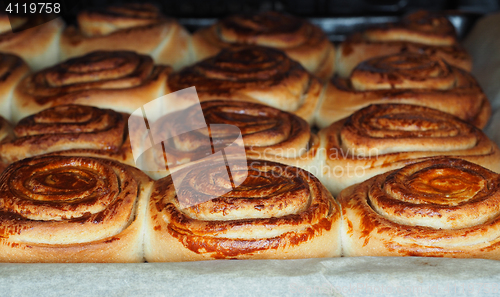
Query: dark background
point(307, 8)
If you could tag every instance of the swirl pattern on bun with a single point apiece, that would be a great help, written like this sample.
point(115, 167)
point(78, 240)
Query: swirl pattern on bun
point(406, 78)
point(75, 129)
point(119, 80)
point(277, 211)
point(441, 207)
point(256, 74)
point(72, 209)
point(298, 38)
point(267, 133)
point(421, 32)
point(384, 137)
point(133, 27)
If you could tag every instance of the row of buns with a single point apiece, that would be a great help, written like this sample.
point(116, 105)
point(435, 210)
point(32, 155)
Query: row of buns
point(125, 81)
point(69, 208)
point(142, 28)
point(391, 127)
point(373, 140)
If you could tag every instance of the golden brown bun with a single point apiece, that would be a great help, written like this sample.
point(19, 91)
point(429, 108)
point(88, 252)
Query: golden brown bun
point(134, 27)
point(256, 74)
point(77, 129)
point(119, 80)
point(278, 212)
point(12, 70)
point(72, 209)
point(38, 45)
point(442, 207)
point(419, 32)
point(267, 133)
point(298, 38)
point(384, 137)
point(410, 79)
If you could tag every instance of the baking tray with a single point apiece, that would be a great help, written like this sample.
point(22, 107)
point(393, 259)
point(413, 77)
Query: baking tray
point(356, 276)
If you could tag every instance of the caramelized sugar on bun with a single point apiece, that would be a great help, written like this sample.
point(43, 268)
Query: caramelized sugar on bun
point(274, 212)
point(442, 207)
point(120, 80)
point(72, 209)
point(406, 78)
point(421, 32)
point(255, 74)
point(267, 133)
point(75, 129)
point(384, 137)
point(298, 38)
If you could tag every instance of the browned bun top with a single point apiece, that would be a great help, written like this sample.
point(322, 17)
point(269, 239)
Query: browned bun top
point(103, 21)
point(442, 194)
point(121, 80)
point(441, 207)
point(256, 74)
point(97, 70)
point(67, 127)
point(66, 200)
point(237, 68)
point(391, 128)
point(403, 71)
point(269, 28)
point(410, 78)
point(422, 26)
point(265, 131)
point(274, 206)
point(69, 119)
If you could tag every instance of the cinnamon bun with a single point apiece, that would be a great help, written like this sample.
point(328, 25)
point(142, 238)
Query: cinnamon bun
point(421, 32)
point(75, 129)
point(255, 74)
point(441, 207)
point(267, 133)
point(298, 38)
point(410, 79)
point(72, 209)
point(276, 211)
point(384, 137)
point(133, 27)
point(119, 80)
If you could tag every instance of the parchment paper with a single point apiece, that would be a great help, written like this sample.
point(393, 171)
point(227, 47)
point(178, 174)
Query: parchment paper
point(358, 276)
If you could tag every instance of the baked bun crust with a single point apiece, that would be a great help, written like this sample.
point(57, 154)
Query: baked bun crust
point(255, 74)
point(298, 38)
point(119, 80)
point(12, 70)
point(277, 212)
point(406, 78)
point(267, 133)
point(420, 32)
point(133, 27)
point(72, 209)
point(384, 137)
point(441, 207)
point(38, 45)
point(77, 129)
